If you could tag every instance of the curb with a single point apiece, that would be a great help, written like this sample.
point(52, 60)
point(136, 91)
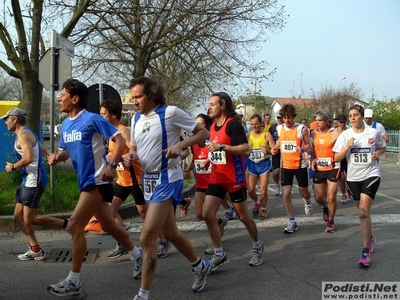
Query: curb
point(9, 224)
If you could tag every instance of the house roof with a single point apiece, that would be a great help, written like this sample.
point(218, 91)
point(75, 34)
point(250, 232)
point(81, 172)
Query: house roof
point(250, 99)
point(298, 102)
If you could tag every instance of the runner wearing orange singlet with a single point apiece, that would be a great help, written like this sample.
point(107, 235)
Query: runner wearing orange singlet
point(326, 170)
point(127, 182)
point(294, 140)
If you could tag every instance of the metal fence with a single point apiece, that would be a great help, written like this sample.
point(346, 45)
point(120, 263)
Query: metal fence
point(394, 141)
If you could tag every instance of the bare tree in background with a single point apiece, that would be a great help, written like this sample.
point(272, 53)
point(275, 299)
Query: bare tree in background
point(10, 88)
point(23, 44)
point(336, 100)
point(206, 42)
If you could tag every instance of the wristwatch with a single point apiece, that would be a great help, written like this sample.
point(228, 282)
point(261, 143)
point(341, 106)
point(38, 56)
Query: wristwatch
point(221, 147)
point(113, 164)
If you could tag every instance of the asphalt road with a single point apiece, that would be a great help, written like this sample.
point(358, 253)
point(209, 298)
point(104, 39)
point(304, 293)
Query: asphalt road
point(294, 265)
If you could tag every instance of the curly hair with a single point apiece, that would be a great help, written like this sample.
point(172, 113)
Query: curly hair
point(207, 119)
point(358, 107)
point(113, 106)
point(288, 110)
point(151, 88)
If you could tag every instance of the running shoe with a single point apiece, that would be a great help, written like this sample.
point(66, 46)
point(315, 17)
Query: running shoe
point(200, 277)
point(372, 241)
point(277, 190)
point(32, 255)
point(219, 261)
point(257, 257)
point(65, 288)
point(228, 214)
point(65, 226)
point(184, 208)
point(365, 258)
point(263, 214)
point(137, 297)
point(330, 226)
point(234, 214)
point(209, 250)
point(256, 209)
point(325, 214)
point(344, 199)
point(137, 265)
point(222, 226)
point(291, 227)
point(308, 209)
point(118, 251)
point(349, 194)
point(163, 248)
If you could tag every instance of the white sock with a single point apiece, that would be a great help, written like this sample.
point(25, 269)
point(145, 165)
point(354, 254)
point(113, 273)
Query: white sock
point(219, 251)
point(257, 245)
point(135, 253)
point(144, 294)
point(74, 277)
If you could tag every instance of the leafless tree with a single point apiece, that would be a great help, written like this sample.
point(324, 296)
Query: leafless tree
point(206, 42)
point(336, 100)
point(10, 88)
point(23, 44)
point(211, 40)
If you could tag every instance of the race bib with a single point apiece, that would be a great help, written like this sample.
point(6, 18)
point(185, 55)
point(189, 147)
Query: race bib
point(256, 155)
point(217, 157)
point(288, 146)
point(199, 166)
point(360, 157)
point(324, 162)
point(150, 181)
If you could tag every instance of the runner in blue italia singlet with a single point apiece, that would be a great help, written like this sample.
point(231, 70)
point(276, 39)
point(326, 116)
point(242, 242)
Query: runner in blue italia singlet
point(83, 140)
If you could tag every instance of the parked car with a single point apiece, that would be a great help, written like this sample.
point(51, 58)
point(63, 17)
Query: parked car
point(57, 129)
point(46, 132)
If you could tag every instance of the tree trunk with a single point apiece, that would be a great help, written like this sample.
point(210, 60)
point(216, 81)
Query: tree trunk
point(32, 96)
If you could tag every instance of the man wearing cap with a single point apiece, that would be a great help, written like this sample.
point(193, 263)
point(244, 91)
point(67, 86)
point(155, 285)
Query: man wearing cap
point(29, 153)
point(239, 117)
point(369, 123)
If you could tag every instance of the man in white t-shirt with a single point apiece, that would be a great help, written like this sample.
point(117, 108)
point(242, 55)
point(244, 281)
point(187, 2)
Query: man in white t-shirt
point(369, 123)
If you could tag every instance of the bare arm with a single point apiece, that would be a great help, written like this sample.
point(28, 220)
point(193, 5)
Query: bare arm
point(26, 141)
point(55, 158)
point(306, 140)
point(339, 156)
point(200, 134)
point(270, 140)
point(241, 150)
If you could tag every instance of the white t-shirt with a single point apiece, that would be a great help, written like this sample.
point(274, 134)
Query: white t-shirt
point(376, 125)
point(156, 131)
point(359, 157)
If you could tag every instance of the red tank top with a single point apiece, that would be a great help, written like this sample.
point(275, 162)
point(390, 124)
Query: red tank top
point(226, 168)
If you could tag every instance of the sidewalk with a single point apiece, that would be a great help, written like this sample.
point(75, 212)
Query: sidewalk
point(9, 224)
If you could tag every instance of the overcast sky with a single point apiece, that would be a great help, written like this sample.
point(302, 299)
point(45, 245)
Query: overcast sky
point(327, 40)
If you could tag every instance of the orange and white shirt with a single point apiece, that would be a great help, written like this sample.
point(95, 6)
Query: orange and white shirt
point(290, 138)
point(127, 176)
point(323, 153)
